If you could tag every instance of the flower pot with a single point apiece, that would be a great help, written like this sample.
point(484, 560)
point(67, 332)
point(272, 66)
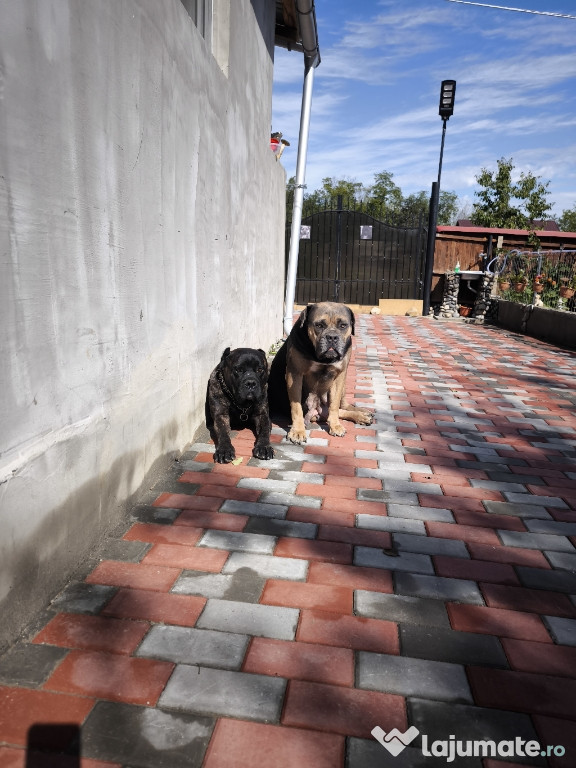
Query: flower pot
point(566, 293)
point(537, 287)
point(520, 287)
point(504, 285)
point(465, 311)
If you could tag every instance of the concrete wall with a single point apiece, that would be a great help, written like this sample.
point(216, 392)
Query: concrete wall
point(141, 232)
point(548, 325)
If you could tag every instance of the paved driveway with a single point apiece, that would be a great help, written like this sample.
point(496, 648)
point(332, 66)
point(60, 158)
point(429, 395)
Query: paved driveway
point(416, 575)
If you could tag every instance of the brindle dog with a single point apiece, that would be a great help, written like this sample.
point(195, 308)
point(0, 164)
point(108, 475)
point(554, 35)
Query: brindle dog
point(236, 399)
point(308, 374)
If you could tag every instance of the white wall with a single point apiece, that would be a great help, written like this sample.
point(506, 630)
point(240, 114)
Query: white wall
point(141, 232)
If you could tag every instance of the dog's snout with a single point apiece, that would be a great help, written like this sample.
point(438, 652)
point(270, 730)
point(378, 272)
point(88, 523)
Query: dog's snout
point(250, 383)
point(332, 339)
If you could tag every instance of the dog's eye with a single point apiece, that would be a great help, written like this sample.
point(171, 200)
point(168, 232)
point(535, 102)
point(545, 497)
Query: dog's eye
point(320, 324)
point(342, 326)
point(237, 371)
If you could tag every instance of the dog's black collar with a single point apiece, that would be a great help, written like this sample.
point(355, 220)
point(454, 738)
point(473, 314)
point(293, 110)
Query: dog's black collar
point(243, 410)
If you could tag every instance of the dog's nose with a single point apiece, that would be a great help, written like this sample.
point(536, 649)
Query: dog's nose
point(250, 384)
point(332, 339)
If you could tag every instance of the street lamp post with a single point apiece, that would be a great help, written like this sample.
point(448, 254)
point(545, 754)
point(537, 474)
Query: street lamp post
point(445, 110)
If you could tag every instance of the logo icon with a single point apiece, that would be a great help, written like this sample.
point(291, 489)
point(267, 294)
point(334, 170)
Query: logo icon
point(395, 741)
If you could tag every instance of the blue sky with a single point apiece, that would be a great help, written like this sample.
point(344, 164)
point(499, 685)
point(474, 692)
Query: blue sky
point(376, 94)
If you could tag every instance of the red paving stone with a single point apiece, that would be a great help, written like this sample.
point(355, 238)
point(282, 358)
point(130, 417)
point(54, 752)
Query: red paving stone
point(531, 558)
point(295, 595)
point(532, 600)
point(237, 744)
point(477, 570)
point(526, 656)
point(523, 692)
point(111, 677)
point(347, 711)
point(192, 558)
point(361, 634)
point(93, 633)
point(370, 579)
point(138, 575)
point(300, 661)
point(164, 534)
point(182, 610)
point(310, 549)
point(497, 621)
point(21, 708)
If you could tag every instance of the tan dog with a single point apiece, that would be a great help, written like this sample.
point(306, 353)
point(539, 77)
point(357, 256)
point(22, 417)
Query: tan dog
point(309, 371)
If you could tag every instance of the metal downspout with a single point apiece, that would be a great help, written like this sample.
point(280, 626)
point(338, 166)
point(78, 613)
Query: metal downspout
point(298, 199)
point(307, 19)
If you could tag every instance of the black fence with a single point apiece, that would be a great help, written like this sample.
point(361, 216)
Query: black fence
point(347, 254)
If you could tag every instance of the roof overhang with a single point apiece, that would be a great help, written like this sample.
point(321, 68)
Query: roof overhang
point(296, 28)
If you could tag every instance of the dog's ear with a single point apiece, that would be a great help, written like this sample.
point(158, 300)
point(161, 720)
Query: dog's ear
point(352, 320)
point(303, 319)
point(264, 358)
point(225, 354)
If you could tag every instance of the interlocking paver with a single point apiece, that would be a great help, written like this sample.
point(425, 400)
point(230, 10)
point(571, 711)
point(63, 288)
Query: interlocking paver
point(438, 680)
point(207, 691)
point(242, 617)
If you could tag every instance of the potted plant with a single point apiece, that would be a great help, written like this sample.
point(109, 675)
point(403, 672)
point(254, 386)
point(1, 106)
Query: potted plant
point(568, 287)
point(519, 281)
point(538, 284)
point(504, 282)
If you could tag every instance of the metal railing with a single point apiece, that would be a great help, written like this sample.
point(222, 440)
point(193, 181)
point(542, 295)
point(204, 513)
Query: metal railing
point(540, 278)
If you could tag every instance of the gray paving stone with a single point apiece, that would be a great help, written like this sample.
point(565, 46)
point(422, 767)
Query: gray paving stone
point(563, 630)
point(410, 486)
point(536, 541)
point(125, 551)
point(80, 597)
point(420, 513)
point(187, 645)
point(438, 588)
point(556, 527)
point(241, 542)
point(517, 509)
point(202, 690)
point(393, 497)
point(404, 561)
point(383, 523)
point(541, 578)
point(440, 720)
point(29, 665)
point(438, 680)
point(299, 477)
point(190, 465)
point(145, 737)
point(501, 466)
point(267, 566)
point(440, 644)
point(268, 484)
point(541, 501)
point(291, 500)
point(383, 474)
point(370, 754)
point(430, 545)
point(401, 608)
point(245, 585)
point(254, 508)
point(158, 515)
point(290, 528)
point(564, 561)
point(498, 485)
point(244, 618)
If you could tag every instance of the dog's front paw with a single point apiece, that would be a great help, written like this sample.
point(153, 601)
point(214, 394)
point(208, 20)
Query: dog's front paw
point(264, 452)
point(337, 430)
point(297, 436)
point(224, 454)
point(365, 417)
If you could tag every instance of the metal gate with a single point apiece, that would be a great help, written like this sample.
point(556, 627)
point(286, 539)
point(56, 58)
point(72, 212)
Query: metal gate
point(350, 256)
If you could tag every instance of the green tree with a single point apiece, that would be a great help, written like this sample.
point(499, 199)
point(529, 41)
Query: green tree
point(567, 222)
point(384, 197)
point(505, 203)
